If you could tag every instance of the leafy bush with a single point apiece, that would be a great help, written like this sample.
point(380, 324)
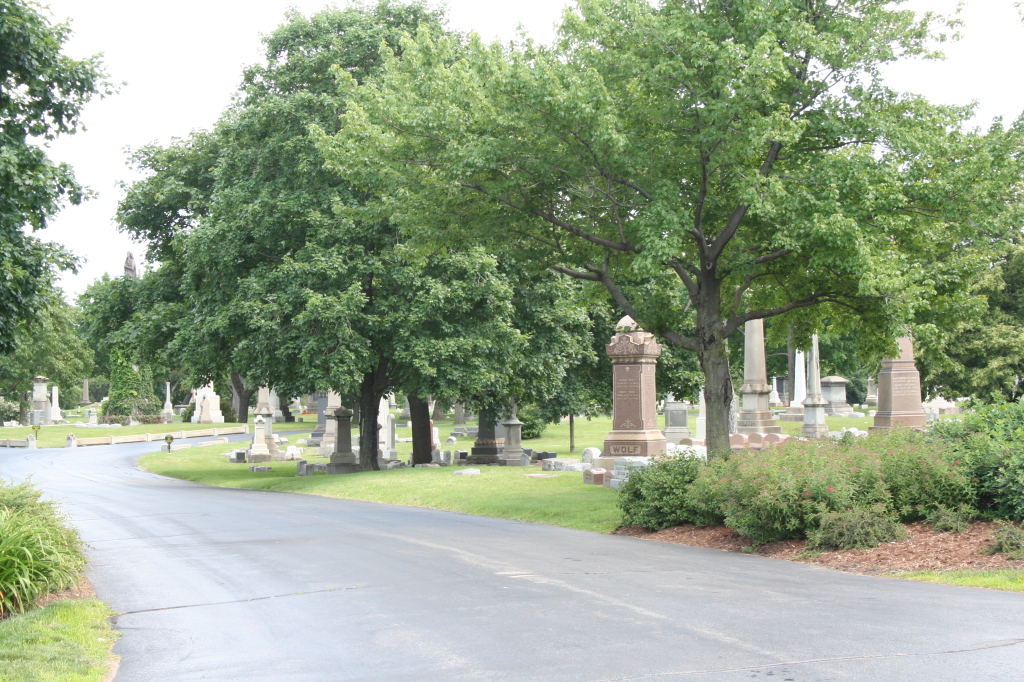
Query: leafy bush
point(1009, 540)
point(990, 441)
point(533, 422)
point(655, 497)
point(39, 551)
point(186, 415)
point(781, 492)
point(856, 528)
point(9, 410)
point(921, 473)
point(946, 520)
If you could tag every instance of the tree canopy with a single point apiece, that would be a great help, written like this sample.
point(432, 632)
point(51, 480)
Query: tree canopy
point(739, 160)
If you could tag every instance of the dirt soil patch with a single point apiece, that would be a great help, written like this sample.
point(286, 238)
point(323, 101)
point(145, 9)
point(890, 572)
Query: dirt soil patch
point(923, 550)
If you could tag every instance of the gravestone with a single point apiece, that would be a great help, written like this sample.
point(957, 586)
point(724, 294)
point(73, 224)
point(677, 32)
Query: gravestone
point(676, 420)
point(85, 394)
point(634, 355)
point(795, 412)
point(212, 414)
point(488, 447)
point(833, 390)
point(406, 412)
point(872, 398)
point(168, 412)
point(260, 451)
point(56, 415)
point(512, 453)
point(814, 404)
point(899, 390)
point(320, 400)
point(40, 401)
point(774, 400)
point(344, 460)
point(756, 417)
point(330, 436)
point(275, 403)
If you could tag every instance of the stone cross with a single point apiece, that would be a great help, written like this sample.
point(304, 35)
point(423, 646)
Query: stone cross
point(899, 390)
point(814, 404)
point(634, 355)
point(755, 417)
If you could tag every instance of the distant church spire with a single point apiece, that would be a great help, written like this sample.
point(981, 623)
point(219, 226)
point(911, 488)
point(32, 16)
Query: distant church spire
point(129, 267)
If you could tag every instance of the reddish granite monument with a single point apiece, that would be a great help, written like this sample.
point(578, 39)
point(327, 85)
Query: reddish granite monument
point(634, 354)
point(899, 390)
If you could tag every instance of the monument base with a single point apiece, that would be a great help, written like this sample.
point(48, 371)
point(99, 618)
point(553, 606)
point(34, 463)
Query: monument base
point(756, 421)
point(341, 468)
point(886, 420)
point(792, 414)
point(674, 434)
point(647, 443)
point(512, 461)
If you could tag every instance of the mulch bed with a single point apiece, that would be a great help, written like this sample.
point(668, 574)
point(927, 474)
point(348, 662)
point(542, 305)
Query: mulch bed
point(924, 549)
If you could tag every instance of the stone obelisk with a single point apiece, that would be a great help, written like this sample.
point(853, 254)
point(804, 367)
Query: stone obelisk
point(814, 404)
point(899, 390)
point(797, 392)
point(634, 354)
point(756, 417)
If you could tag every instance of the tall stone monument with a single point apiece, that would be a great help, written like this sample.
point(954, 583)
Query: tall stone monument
point(85, 394)
point(872, 398)
point(320, 400)
point(814, 404)
point(756, 417)
point(168, 412)
point(343, 459)
point(795, 412)
point(634, 354)
point(40, 401)
point(512, 453)
point(488, 447)
point(676, 420)
point(56, 415)
point(330, 436)
point(899, 390)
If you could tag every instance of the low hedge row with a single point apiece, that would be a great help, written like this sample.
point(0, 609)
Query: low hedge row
point(972, 467)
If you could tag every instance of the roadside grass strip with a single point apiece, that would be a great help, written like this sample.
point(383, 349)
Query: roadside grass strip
point(1011, 580)
point(502, 492)
point(67, 641)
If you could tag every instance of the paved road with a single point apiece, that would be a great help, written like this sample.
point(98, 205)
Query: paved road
point(217, 584)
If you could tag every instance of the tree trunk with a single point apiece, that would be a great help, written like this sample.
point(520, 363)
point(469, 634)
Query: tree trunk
point(353, 400)
point(240, 397)
point(286, 413)
point(572, 434)
point(419, 412)
point(718, 392)
point(23, 409)
point(438, 414)
point(790, 363)
point(369, 401)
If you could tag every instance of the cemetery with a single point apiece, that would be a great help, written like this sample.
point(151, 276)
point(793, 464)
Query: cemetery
point(414, 325)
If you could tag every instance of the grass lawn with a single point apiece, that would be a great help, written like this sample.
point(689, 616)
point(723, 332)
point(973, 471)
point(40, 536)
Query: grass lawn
point(67, 641)
point(1007, 579)
point(56, 436)
point(503, 492)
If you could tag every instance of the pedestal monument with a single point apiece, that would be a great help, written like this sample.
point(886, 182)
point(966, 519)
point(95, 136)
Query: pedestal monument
point(814, 404)
point(756, 417)
point(634, 354)
point(795, 412)
point(899, 390)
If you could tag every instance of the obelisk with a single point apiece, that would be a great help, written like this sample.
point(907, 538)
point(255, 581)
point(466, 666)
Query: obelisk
point(814, 404)
point(797, 392)
point(899, 390)
point(756, 417)
point(634, 356)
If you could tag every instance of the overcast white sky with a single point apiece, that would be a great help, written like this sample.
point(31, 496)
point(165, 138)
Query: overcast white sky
point(181, 62)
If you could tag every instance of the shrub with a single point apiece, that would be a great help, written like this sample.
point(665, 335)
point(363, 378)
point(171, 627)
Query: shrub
point(39, 551)
point(186, 415)
point(946, 520)
point(9, 410)
point(533, 422)
point(1009, 540)
point(922, 473)
point(990, 441)
point(655, 497)
point(781, 492)
point(855, 528)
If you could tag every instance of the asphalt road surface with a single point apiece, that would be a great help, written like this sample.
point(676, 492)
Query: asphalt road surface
point(219, 584)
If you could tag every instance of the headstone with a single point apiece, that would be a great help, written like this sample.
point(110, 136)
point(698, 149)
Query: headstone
point(212, 414)
point(795, 413)
point(899, 390)
point(168, 412)
point(275, 403)
point(344, 459)
point(259, 469)
point(594, 476)
point(85, 394)
point(738, 441)
point(676, 420)
point(814, 404)
point(773, 398)
point(833, 391)
point(634, 355)
point(56, 415)
point(406, 411)
point(756, 416)
point(467, 472)
point(872, 398)
point(451, 440)
point(513, 450)
point(93, 420)
point(488, 447)
point(589, 454)
point(330, 435)
point(320, 401)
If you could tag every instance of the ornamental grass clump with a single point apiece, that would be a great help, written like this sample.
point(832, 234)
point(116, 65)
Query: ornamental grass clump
point(39, 551)
point(856, 528)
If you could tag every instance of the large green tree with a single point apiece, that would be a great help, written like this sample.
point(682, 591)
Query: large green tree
point(743, 159)
point(42, 92)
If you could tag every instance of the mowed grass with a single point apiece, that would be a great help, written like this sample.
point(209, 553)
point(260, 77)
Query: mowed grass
point(67, 641)
point(502, 492)
point(56, 436)
point(1011, 580)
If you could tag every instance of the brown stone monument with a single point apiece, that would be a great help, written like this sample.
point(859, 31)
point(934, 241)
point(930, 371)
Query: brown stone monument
point(899, 390)
point(634, 356)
